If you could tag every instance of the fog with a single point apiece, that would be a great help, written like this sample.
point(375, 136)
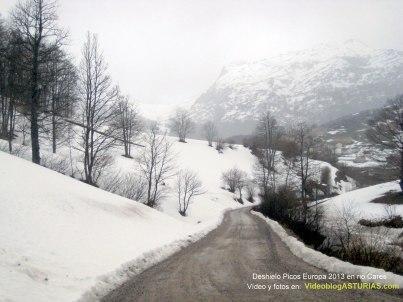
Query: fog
point(169, 52)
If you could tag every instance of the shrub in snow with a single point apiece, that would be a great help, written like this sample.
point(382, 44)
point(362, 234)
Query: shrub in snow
point(129, 185)
point(220, 145)
point(55, 163)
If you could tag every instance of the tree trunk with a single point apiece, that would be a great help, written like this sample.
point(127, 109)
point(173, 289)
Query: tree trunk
point(401, 163)
point(34, 108)
point(54, 135)
point(11, 116)
point(35, 132)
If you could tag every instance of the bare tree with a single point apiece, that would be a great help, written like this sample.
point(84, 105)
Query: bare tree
point(302, 135)
point(22, 127)
point(62, 96)
point(181, 124)
point(97, 98)
point(234, 179)
point(386, 130)
point(268, 133)
point(289, 152)
point(188, 185)
point(36, 22)
point(128, 122)
point(156, 163)
point(210, 132)
point(13, 79)
point(241, 184)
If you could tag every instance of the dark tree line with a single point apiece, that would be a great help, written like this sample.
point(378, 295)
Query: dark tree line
point(386, 130)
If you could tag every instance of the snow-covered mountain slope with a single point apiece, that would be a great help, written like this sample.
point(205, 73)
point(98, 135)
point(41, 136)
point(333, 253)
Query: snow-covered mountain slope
point(316, 85)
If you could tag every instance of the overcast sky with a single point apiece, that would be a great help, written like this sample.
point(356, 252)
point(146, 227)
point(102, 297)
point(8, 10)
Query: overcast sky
point(170, 51)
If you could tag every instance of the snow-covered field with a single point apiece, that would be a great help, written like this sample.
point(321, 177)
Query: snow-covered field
point(357, 205)
point(61, 238)
point(360, 199)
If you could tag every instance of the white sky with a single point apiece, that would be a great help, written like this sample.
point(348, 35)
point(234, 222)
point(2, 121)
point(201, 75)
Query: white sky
point(170, 51)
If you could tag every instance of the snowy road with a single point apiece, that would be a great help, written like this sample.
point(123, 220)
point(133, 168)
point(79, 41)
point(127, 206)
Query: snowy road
point(220, 266)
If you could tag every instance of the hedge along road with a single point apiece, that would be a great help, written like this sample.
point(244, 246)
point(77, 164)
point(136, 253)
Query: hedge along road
point(220, 267)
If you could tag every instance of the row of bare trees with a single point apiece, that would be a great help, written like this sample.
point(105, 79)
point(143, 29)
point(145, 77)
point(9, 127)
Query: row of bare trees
point(298, 145)
point(182, 125)
point(80, 106)
point(40, 87)
point(37, 78)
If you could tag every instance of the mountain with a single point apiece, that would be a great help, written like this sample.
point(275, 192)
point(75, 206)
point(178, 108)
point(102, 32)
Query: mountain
point(315, 85)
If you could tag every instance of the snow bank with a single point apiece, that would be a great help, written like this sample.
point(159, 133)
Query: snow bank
point(325, 262)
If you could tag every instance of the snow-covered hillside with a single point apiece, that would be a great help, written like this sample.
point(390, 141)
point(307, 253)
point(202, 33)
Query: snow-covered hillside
point(326, 82)
point(59, 235)
point(356, 205)
point(359, 201)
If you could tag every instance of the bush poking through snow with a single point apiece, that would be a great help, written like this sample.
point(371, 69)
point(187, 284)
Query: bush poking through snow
point(188, 185)
point(220, 145)
point(55, 163)
point(393, 222)
point(129, 185)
